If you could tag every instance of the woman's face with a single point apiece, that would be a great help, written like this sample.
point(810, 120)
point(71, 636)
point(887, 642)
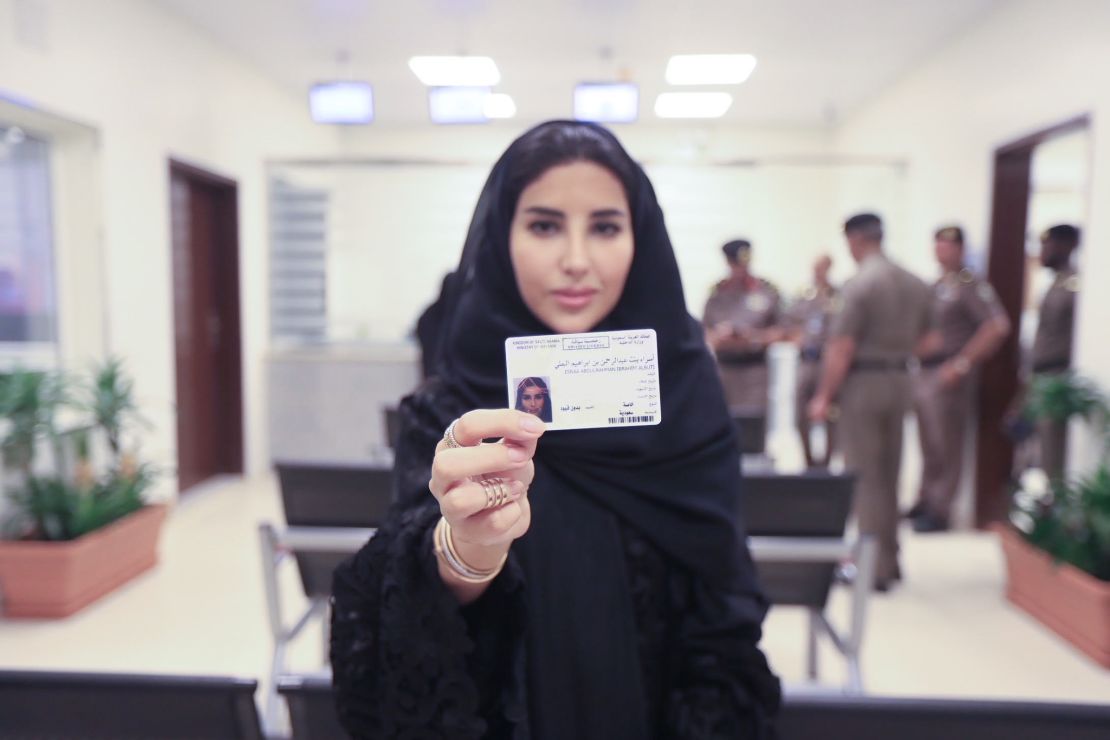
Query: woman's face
point(571, 245)
point(532, 400)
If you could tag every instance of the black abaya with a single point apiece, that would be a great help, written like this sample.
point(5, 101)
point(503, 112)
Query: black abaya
point(630, 608)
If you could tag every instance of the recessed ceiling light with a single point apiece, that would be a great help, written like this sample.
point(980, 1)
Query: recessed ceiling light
point(692, 104)
point(455, 71)
point(709, 69)
point(499, 105)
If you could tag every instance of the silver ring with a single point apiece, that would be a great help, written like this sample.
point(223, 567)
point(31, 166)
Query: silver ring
point(449, 436)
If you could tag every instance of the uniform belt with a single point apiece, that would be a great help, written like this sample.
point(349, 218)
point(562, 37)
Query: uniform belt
point(741, 359)
point(810, 354)
point(880, 365)
point(1051, 366)
point(935, 360)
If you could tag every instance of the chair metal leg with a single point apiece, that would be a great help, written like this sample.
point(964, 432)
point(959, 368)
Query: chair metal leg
point(271, 557)
point(811, 647)
point(325, 630)
point(854, 685)
point(273, 723)
point(866, 562)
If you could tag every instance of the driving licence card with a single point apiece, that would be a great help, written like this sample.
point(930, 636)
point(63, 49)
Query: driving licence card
point(586, 381)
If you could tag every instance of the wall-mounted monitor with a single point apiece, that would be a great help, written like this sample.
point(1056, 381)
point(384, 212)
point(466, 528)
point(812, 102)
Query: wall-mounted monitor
point(458, 104)
point(341, 102)
point(607, 102)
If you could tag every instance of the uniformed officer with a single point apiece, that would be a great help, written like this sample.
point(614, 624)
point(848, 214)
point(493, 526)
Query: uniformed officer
point(808, 320)
point(741, 321)
point(885, 318)
point(1052, 344)
point(972, 325)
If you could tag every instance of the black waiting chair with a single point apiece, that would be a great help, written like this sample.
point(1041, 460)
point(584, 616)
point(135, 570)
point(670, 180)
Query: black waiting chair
point(392, 426)
point(751, 430)
point(312, 714)
point(312, 709)
point(796, 525)
point(331, 511)
point(49, 705)
point(836, 718)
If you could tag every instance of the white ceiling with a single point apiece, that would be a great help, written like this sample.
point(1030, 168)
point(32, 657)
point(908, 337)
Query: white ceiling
point(817, 58)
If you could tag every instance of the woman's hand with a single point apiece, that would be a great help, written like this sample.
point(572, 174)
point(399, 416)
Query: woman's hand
point(482, 535)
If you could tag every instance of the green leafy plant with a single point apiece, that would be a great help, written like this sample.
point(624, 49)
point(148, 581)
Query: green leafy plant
point(1060, 397)
point(1069, 522)
point(29, 401)
point(56, 509)
point(70, 502)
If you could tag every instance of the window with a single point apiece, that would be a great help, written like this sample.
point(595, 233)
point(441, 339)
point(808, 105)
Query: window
point(28, 313)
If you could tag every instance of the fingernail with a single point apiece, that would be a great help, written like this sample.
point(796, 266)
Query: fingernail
point(516, 489)
point(516, 454)
point(531, 424)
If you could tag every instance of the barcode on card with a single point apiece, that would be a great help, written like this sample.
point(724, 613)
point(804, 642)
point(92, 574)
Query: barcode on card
point(631, 419)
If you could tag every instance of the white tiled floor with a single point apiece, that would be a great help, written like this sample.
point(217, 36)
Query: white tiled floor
point(947, 631)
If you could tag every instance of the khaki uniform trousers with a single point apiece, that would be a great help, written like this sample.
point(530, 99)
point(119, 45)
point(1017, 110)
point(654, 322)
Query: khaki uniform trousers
point(1053, 438)
point(941, 422)
point(1053, 442)
point(873, 407)
point(809, 377)
point(746, 386)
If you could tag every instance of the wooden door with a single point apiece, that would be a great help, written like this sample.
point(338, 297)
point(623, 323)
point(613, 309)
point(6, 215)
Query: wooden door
point(998, 382)
point(204, 223)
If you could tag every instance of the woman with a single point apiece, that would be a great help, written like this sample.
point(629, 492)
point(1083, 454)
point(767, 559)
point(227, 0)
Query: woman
point(532, 397)
point(590, 584)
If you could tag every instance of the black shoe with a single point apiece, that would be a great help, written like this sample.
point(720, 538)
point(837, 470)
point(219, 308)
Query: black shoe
point(928, 523)
point(885, 585)
point(914, 511)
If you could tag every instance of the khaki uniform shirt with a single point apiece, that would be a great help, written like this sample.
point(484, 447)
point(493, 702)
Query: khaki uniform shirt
point(962, 303)
point(744, 307)
point(1053, 342)
point(886, 309)
point(812, 313)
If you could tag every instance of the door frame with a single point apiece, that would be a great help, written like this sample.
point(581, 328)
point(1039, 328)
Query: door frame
point(226, 227)
point(999, 379)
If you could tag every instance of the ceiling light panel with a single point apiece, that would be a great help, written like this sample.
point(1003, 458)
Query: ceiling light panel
point(709, 69)
point(455, 71)
point(692, 104)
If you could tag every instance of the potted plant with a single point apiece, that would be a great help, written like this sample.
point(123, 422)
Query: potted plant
point(1057, 545)
point(77, 530)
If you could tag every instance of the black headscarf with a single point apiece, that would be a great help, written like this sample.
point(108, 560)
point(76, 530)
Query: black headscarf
point(675, 484)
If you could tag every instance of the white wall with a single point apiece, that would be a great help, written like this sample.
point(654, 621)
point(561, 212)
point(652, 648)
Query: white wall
point(1027, 66)
point(402, 199)
point(154, 88)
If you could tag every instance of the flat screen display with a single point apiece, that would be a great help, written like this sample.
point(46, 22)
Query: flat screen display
point(341, 102)
point(458, 104)
point(607, 102)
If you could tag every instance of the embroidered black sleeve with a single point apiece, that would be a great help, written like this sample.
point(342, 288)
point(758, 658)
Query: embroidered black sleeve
point(407, 660)
point(722, 686)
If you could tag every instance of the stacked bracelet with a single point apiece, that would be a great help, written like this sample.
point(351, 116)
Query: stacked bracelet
point(445, 548)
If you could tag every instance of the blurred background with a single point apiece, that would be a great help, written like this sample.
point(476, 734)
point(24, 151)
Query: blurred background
point(250, 203)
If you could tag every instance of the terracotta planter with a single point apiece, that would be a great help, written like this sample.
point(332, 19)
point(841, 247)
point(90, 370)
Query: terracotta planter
point(1074, 604)
point(56, 579)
